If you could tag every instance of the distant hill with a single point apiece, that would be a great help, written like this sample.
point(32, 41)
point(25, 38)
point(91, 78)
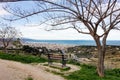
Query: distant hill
point(29, 40)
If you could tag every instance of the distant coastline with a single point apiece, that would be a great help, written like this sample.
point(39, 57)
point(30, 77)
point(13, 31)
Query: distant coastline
point(71, 42)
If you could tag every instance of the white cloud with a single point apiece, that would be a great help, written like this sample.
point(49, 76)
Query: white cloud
point(114, 35)
point(3, 12)
point(69, 34)
point(37, 33)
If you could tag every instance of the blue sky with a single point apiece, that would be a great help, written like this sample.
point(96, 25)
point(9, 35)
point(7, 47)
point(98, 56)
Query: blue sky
point(38, 32)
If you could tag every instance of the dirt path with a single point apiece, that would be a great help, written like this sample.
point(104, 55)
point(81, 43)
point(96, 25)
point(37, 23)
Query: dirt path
point(72, 67)
point(10, 70)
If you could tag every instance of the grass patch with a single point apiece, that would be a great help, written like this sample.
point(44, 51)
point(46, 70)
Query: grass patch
point(73, 62)
point(60, 67)
point(29, 78)
point(65, 69)
point(88, 72)
point(55, 72)
point(22, 58)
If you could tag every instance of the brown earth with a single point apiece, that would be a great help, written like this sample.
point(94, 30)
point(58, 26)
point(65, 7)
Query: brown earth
point(10, 70)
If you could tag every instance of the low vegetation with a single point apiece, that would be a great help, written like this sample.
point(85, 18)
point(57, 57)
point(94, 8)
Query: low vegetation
point(29, 78)
point(88, 72)
point(22, 58)
point(60, 68)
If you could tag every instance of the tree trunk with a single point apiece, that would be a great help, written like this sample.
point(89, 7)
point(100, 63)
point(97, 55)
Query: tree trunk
point(100, 65)
point(5, 43)
point(101, 55)
point(5, 49)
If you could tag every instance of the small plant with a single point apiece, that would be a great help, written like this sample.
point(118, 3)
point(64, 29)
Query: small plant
point(65, 69)
point(45, 65)
point(47, 70)
point(57, 73)
point(29, 78)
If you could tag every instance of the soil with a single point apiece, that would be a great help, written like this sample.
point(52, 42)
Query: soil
point(10, 70)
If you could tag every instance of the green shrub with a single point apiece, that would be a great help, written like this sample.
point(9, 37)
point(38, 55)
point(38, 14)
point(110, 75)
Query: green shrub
point(113, 72)
point(31, 50)
point(22, 58)
point(29, 78)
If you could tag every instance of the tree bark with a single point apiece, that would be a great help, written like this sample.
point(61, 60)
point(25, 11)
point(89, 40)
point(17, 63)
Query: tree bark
point(101, 56)
point(100, 66)
point(5, 49)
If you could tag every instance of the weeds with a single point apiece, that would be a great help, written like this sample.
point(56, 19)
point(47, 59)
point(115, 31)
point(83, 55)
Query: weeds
point(22, 58)
point(29, 78)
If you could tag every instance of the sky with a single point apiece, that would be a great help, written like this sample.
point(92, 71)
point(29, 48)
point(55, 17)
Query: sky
point(39, 32)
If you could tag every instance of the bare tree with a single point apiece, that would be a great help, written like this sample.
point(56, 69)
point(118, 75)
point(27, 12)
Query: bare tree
point(7, 34)
point(17, 43)
point(85, 16)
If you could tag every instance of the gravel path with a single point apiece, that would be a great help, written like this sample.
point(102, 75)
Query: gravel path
point(10, 70)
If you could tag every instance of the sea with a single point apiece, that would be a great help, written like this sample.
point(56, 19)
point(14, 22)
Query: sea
point(73, 42)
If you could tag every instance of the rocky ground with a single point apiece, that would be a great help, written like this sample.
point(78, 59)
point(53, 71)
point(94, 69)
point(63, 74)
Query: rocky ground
point(88, 55)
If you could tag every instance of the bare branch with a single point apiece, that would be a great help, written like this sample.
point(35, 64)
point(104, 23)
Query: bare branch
point(79, 30)
point(58, 29)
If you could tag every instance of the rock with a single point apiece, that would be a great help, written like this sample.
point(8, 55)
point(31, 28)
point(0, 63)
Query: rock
point(74, 57)
point(79, 51)
point(84, 59)
point(117, 48)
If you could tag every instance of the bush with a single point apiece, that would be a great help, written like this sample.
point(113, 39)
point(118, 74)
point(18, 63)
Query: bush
point(22, 58)
point(29, 78)
point(114, 72)
point(31, 50)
